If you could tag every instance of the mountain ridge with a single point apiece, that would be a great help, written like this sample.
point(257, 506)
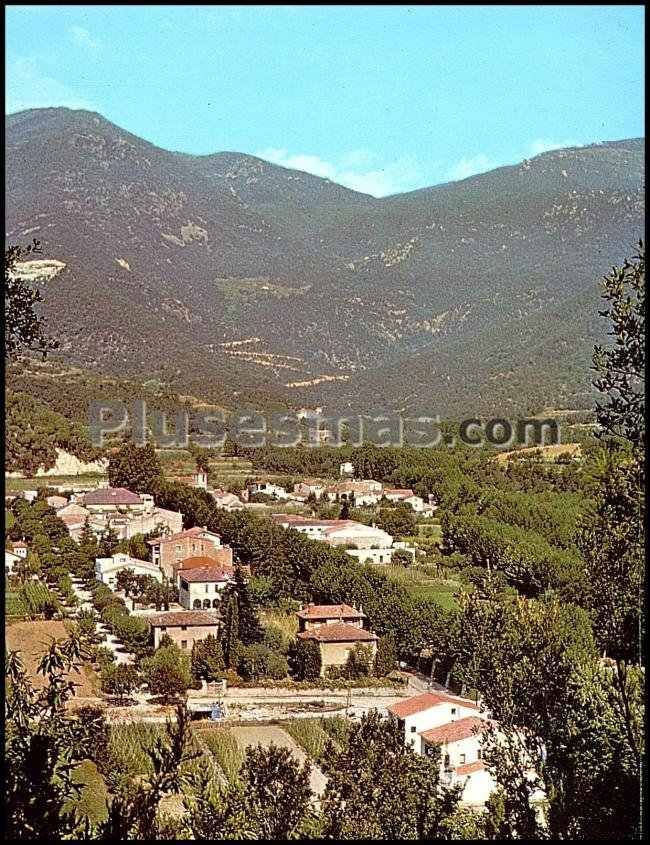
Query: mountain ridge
point(245, 278)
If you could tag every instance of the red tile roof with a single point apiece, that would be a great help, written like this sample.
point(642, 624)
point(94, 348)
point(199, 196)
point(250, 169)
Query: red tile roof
point(206, 574)
point(175, 618)
point(470, 768)
point(339, 632)
point(197, 562)
point(112, 496)
point(454, 731)
point(330, 611)
point(425, 701)
point(402, 491)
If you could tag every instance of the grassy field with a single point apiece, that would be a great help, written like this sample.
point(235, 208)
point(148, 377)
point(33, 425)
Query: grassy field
point(91, 803)
point(421, 582)
point(226, 750)
point(313, 735)
point(17, 485)
point(286, 622)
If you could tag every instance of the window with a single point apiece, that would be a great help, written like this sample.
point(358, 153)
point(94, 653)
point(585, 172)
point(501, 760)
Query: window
point(462, 759)
point(183, 627)
point(479, 755)
point(446, 761)
point(196, 604)
point(163, 627)
point(413, 729)
point(183, 643)
point(453, 711)
point(429, 750)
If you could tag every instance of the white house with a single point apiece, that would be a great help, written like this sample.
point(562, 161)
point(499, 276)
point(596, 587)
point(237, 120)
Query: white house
point(346, 469)
point(201, 588)
point(370, 543)
point(226, 501)
point(268, 488)
point(20, 548)
point(309, 486)
point(11, 562)
point(364, 492)
point(128, 513)
point(107, 568)
point(455, 725)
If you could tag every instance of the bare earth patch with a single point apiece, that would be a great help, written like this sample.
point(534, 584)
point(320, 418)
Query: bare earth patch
point(33, 639)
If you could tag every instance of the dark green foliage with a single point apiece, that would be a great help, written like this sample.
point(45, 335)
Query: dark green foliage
point(24, 328)
point(304, 660)
point(136, 468)
point(359, 663)
point(207, 659)
point(258, 661)
point(120, 680)
point(380, 789)
point(386, 657)
point(168, 672)
point(621, 368)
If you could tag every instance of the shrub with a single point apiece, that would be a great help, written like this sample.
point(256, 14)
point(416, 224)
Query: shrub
point(168, 672)
point(207, 659)
point(120, 680)
point(104, 656)
point(257, 661)
point(305, 660)
point(359, 662)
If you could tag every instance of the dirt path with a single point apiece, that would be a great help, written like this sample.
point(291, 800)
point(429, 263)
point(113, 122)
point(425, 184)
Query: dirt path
point(267, 734)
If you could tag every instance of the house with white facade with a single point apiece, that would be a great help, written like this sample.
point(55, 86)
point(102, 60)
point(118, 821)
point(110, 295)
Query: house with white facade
point(11, 562)
point(310, 487)
point(362, 493)
point(128, 513)
point(367, 543)
point(108, 568)
point(455, 726)
point(202, 587)
point(227, 501)
point(20, 548)
point(346, 469)
point(268, 489)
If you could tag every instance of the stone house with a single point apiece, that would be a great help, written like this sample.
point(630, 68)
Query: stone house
point(169, 552)
point(337, 629)
point(184, 627)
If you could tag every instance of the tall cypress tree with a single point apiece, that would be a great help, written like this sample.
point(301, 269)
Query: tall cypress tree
point(250, 630)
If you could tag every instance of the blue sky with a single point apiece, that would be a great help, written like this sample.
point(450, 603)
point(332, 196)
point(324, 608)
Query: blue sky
point(381, 99)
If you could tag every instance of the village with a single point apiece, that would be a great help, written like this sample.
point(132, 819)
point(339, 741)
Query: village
point(174, 592)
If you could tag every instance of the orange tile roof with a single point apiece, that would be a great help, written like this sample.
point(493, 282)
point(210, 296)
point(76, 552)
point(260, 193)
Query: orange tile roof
point(426, 700)
point(339, 632)
point(454, 731)
point(197, 562)
point(207, 574)
point(330, 611)
point(470, 768)
point(175, 618)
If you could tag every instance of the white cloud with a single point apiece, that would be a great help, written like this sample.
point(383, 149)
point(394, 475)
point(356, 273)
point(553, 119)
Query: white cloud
point(481, 163)
point(28, 88)
point(358, 170)
point(544, 145)
point(82, 38)
point(470, 167)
